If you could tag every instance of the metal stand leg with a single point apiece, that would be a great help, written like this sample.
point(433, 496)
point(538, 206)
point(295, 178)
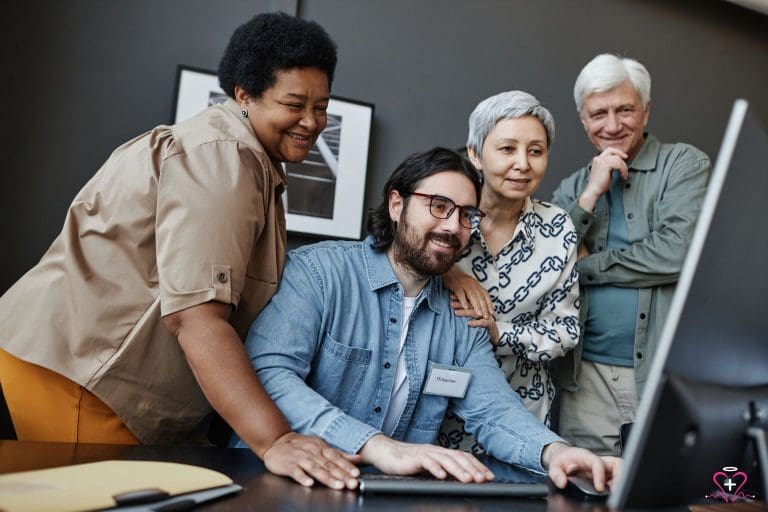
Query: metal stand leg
point(759, 435)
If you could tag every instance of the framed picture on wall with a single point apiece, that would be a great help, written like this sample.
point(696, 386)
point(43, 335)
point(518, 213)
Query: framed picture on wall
point(325, 192)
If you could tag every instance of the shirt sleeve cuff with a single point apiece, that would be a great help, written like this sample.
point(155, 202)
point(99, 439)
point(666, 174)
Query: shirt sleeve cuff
point(348, 434)
point(582, 220)
point(530, 456)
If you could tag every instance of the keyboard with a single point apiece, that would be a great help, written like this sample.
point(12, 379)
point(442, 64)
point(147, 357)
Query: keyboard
point(426, 484)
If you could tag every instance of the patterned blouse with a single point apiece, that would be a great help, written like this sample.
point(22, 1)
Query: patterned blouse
point(534, 287)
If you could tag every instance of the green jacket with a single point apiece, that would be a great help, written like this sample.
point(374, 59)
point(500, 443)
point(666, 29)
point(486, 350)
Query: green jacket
point(662, 200)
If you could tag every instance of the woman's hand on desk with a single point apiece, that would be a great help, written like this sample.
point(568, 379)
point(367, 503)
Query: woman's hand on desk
point(398, 458)
point(306, 459)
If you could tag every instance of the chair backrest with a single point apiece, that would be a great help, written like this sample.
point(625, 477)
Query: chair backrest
point(6, 424)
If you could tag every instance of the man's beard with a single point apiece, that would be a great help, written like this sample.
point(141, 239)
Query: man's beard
point(410, 250)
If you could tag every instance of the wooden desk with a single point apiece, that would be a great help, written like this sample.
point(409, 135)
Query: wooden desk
point(263, 491)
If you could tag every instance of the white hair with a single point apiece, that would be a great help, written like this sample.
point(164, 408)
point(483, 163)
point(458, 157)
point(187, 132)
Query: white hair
point(506, 105)
point(607, 71)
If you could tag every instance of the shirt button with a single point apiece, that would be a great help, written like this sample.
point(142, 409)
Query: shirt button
point(393, 320)
point(222, 277)
point(630, 216)
point(377, 409)
point(590, 278)
point(639, 355)
point(387, 365)
point(642, 316)
point(585, 221)
point(627, 185)
point(599, 247)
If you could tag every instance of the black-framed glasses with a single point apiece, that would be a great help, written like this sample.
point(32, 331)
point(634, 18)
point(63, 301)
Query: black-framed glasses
point(442, 207)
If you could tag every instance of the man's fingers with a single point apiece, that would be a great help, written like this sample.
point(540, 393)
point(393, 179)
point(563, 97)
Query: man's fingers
point(557, 475)
point(598, 474)
point(476, 468)
point(479, 468)
point(433, 466)
point(453, 466)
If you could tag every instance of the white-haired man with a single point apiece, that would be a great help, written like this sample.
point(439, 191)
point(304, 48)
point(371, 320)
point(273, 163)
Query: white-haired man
point(634, 207)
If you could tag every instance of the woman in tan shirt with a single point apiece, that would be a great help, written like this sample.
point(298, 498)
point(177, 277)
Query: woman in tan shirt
point(131, 324)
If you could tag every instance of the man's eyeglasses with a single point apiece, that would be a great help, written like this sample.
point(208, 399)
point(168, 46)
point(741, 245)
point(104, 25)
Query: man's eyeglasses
point(442, 208)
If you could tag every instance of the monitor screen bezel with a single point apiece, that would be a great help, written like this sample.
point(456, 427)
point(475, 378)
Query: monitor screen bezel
point(649, 402)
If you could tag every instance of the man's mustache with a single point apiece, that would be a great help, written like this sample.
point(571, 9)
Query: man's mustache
point(446, 238)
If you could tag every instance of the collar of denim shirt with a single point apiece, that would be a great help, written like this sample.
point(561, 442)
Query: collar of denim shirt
point(380, 274)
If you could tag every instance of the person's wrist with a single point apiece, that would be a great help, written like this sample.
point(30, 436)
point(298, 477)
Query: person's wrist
point(280, 441)
point(550, 451)
point(371, 448)
point(588, 199)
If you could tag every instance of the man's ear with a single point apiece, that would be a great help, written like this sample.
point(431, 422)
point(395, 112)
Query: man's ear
point(647, 114)
point(396, 203)
point(472, 154)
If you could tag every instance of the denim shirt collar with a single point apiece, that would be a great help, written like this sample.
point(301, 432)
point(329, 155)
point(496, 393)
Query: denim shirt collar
point(380, 274)
point(646, 158)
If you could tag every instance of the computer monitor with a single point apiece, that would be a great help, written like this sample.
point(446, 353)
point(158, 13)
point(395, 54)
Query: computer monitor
point(708, 382)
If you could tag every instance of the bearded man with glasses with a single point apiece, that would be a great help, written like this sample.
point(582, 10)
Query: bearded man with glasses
point(359, 345)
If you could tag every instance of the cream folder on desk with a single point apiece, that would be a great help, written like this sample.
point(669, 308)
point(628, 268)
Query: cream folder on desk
point(95, 485)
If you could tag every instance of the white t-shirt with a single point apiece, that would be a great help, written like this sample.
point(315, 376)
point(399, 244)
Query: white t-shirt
point(400, 387)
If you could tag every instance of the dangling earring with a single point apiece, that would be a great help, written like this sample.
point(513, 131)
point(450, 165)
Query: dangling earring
point(244, 113)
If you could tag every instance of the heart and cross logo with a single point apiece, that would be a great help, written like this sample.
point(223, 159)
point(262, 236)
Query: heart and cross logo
point(729, 483)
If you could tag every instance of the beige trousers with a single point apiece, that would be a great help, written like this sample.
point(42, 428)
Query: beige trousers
point(606, 399)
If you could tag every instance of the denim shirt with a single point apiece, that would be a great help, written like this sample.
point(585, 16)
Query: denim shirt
point(662, 199)
point(326, 348)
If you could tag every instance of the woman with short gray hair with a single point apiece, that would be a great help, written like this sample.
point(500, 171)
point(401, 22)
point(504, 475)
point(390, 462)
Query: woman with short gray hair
point(518, 277)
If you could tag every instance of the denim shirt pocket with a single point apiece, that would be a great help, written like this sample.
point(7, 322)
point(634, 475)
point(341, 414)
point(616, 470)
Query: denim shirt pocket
point(428, 414)
point(338, 372)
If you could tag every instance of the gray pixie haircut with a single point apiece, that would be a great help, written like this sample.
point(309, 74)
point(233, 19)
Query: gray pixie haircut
point(607, 71)
point(506, 105)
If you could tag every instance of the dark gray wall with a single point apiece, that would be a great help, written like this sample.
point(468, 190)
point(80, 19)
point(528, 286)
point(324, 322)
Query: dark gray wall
point(82, 76)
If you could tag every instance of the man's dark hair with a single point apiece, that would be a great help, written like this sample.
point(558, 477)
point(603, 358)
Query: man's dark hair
point(273, 42)
point(406, 178)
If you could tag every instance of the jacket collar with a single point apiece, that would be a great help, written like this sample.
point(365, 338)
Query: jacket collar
point(646, 158)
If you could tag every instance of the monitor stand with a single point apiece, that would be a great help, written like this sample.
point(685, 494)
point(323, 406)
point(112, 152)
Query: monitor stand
point(759, 436)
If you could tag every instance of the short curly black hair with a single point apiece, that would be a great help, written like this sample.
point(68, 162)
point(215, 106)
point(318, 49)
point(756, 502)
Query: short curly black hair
point(271, 42)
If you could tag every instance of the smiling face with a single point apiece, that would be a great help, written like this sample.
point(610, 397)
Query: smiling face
point(425, 244)
point(513, 160)
point(288, 117)
point(616, 119)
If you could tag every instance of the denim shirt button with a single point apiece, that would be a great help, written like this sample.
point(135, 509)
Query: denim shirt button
point(393, 320)
point(387, 365)
point(377, 409)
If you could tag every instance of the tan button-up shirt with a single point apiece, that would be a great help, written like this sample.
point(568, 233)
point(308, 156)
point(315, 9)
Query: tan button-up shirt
point(177, 217)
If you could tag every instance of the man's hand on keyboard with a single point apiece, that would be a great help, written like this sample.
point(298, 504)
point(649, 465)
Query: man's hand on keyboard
point(397, 458)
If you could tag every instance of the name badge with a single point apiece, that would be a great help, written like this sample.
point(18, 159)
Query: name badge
point(448, 381)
